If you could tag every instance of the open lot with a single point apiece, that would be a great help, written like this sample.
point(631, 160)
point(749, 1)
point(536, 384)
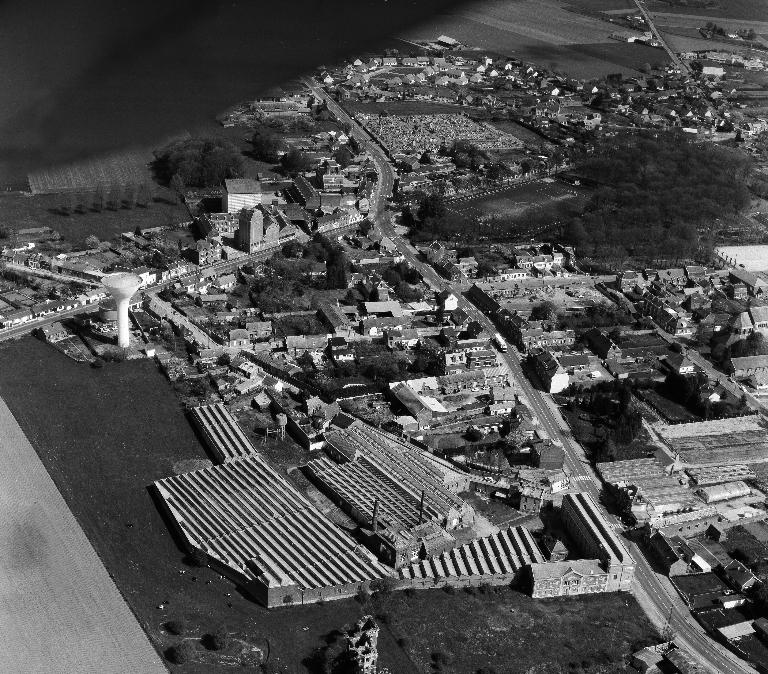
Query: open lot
point(20, 211)
point(511, 632)
point(752, 258)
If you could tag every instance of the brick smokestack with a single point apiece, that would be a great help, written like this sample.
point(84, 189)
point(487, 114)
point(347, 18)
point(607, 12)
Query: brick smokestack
point(375, 516)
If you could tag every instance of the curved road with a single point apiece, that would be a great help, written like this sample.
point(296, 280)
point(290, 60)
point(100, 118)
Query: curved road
point(687, 632)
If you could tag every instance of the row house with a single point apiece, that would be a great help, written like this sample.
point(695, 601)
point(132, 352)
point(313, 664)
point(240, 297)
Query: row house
point(552, 375)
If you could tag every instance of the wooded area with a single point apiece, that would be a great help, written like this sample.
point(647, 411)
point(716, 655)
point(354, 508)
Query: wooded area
point(656, 194)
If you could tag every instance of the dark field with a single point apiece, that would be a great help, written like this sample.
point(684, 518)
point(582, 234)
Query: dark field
point(515, 200)
point(105, 435)
point(753, 10)
point(20, 211)
point(624, 54)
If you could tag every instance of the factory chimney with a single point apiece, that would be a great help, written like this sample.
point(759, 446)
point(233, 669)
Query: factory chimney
point(375, 516)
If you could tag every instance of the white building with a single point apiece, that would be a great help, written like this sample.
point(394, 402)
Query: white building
point(241, 193)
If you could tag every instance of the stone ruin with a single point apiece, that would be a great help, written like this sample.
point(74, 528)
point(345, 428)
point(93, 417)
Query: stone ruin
point(361, 645)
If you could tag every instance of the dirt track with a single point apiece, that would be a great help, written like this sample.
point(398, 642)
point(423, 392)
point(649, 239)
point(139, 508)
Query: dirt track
point(59, 609)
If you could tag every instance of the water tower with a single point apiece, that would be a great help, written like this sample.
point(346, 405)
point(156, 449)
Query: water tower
point(122, 286)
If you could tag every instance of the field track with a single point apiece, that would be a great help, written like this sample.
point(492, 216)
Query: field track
point(59, 609)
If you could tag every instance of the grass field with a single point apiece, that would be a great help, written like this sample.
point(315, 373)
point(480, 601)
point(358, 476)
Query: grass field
point(105, 435)
point(18, 211)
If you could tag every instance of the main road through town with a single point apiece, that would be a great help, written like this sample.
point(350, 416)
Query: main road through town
point(655, 594)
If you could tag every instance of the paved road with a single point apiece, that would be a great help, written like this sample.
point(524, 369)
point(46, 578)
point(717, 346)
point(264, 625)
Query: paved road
point(652, 27)
point(26, 328)
point(686, 630)
point(44, 273)
point(60, 612)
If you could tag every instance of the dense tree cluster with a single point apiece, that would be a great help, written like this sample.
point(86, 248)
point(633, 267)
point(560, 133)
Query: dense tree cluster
point(467, 155)
point(286, 279)
point(198, 162)
point(753, 345)
point(336, 266)
point(654, 193)
point(267, 145)
point(294, 162)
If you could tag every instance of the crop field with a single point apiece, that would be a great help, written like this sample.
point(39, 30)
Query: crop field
point(62, 612)
point(125, 168)
point(564, 43)
point(624, 54)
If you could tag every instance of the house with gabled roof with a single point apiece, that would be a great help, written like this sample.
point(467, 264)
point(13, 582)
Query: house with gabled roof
point(759, 317)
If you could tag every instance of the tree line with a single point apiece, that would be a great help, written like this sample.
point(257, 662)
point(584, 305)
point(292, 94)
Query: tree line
point(107, 197)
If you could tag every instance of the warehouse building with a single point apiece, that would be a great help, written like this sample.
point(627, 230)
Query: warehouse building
point(498, 559)
point(257, 529)
point(221, 432)
point(724, 492)
point(388, 487)
point(593, 534)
